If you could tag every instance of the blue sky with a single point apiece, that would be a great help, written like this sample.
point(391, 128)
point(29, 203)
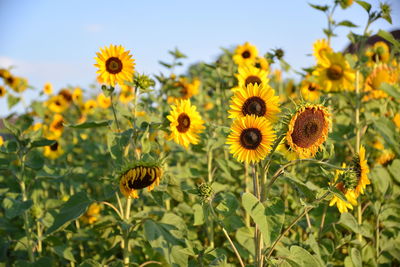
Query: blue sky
point(56, 41)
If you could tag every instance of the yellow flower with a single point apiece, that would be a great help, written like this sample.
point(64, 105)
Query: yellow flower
point(396, 120)
point(103, 101)
point(66, 94)
point(57, 127)
point(381, 74)
point(251, 138)
point(320, 49)
point(186, 123)
point(188, 89)
point(140, 113)
point(18, 84)
point(310, 91)
point(378, 53)
point(115, 65)
point(285, 150)
point(3, 91)
point(4, 73)
point(138, 178)
point(57, 104)
point(261, 63)
point(77, 96)
point(277, 75)
point(89, 106)
point(349, 193)
point(308, 129)
point(1, 140)
point(361, 168)
point(48, 88)
point(126, 97)
point(335, 73)
point(259, 100)
point(251, 75)
point(53, 151)
point(92, 214)
point(208, 106)
point(385, 157)
point(245, 54)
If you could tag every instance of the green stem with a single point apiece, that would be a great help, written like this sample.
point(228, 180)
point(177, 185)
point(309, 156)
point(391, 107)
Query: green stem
point(358, 141)
point(257, 232)
point(210, 177)
point(246, 182)
point(126, 233)
point(113, 109)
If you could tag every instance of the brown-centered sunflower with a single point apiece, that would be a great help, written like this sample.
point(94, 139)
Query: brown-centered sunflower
point(248, 74)
point(308, 129)
point(57, 126)
point(310, 91)
point(245, 54)
point(115, 65)
point(258, 100)
point(138, 177)
point(56, 104)
point(380, 75)
point(378, 53)
point(361, 169)
point(188, 89)
point(53, 151)
point(48, 88)
point(261, 63)
point(251, 138)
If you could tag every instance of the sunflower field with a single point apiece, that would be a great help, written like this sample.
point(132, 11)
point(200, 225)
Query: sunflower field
point(233, 163)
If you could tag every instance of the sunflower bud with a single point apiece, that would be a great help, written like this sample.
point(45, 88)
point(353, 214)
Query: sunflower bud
point(205, 192)
point(143, 82)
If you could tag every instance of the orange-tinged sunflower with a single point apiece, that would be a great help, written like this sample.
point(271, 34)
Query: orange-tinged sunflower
point(251, 138)
point(308, 129)
point(378, 53)
point(3, 91)
point(245, 54)
point(251, 75)
point(139, 177)
point(48, 88)
point(334, 73)
point(310, 91)
point(361, 169)
point(115, 65)
point(54, 151)
point(344, 184)
point(258, 100)
point(103, 101)
point(381, 74)
point(186, 123)
point(320, 49)
point(57, 126)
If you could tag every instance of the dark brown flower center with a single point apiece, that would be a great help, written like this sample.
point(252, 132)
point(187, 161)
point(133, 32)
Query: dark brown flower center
point(58, 125)
point(137, 183)
point(250, 138)
point(54, 146)
point(335, 72)
point(66, 95)
point(312, 87)
point(246, 54)
point(257, 65)
point(113, 65)
point(252, 80)
point(254, 105)
point(183, 123)
point(308, 127)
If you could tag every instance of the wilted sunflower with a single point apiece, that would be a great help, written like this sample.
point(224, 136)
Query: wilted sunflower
point(103, 101)
point(308, 129)
point(378, 53)
point(139, 177)
point(115, 65)
point(334, 73)
point(259, 100)
point(56, 126)
point(251, 138)
point(186, 123)
point(381, 74)
point(361, 169)
point(245, 54)
point(53, 151)
point(346, 186)
point(310, 91)
point(48, 88)
point(320, 49)
point(2, 91)
point(251, 75)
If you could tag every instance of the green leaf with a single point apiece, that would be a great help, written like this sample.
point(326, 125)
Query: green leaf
point(321, 8)
point(90, 124)
point(245, 237)
point(71, 210)
point(198, 214)
point(228, 204)
point(275, 212)
point(42, 142)
point(364, 5)
point(15, 207)
point(302, 257)
point(11, 127)
point(35, 160)
point(381, 179)
point(348, 221)
point(386, 129)
point(347, 23)
point(356, 257)
point(64, 252)
point(338, 193)
point(89, 263)
point(391, 90)
point(12, 100)
point(389, 37)
point(394, 169)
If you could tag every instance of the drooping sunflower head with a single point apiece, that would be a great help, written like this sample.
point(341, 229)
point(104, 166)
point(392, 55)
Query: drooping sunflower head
point(251, 138)
point(334, 73)
point(248, 74)
point(320, 49)
point(344, 182)
point(381, 74)
point(361, 169)
point(186, 123)
point(48, 88)
point(245, 54)
point(378, 53)
point(310, 91)
point(115, 65)
point(140, 175)
point(258, 100)
point(308, 129)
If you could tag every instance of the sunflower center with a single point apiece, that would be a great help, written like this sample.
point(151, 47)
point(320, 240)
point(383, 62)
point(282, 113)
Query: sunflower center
point(137, 183)
point(308, 128)
point(252, 80)
point(250, 138)
point(183, 123)
point(246, 54)
point(113, 65)
point(54, 146)
point(66, 95)
point(254, 105)
point(257, 65)
point(59, 125)
point(312, 88)
point(335, 72)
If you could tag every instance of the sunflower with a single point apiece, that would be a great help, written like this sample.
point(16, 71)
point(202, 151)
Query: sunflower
point(126, 97)
point(286, 151)
point(251, 138)
point(77, 96)
point(251, 75)
point(381, 74)
point(378, 53)
point(188, 89)
point(186, 123)
point(320, 49)
point(361, 169)
point(18, 84)
point(139, 177)
point(3, 91)
point(89, 106)
point(53, 151)
point(92, 214)
point(310, 91)
point(103, 101)
point(396, 120)
point(245, 54)
point(385, 157)
point(1, 140)
point(48, 88)
point(57, 126)
point(4, 73)
point(334, 73)
point(261, 63)
point(259, 100)
point(345, 186)
point(115, 65)
point(308, 129)
point(66, 94)
point(57, 104)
